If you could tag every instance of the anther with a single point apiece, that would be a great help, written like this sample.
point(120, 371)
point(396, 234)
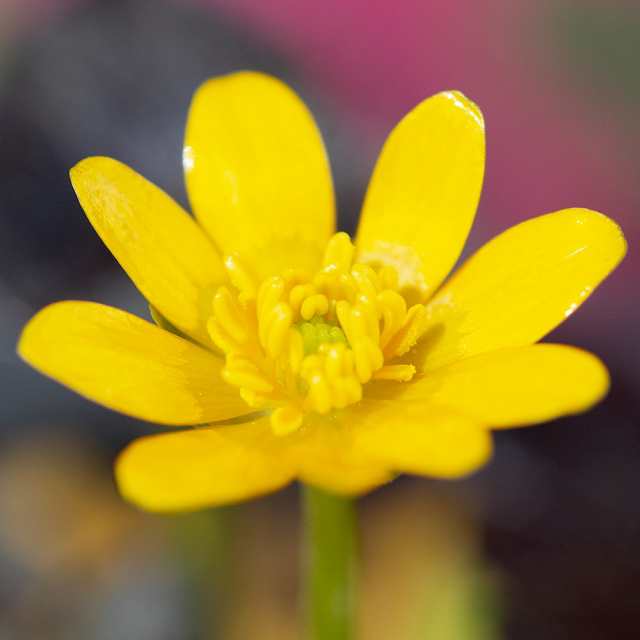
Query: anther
point(394, 311)
point(253, 399)
point(296, 350)
point(397, 372)
point(319, 394)
point(276, 325)
point(229, 315)
point(388, 278)
point(241, 372)
point(299, 294)
point(409, 333)
point(220, 337)
point(241, 277)
point(339, 252)
point(286, 420)
point(367, 358)
point(269, 294)
point(366, 279)
point(315, 305)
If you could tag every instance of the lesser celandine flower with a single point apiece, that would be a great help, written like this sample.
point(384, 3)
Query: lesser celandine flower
point(296, 352)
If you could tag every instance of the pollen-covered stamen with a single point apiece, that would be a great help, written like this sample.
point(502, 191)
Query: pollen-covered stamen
point(300, 343)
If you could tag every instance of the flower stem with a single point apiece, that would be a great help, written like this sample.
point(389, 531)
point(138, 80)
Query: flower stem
point(330, 563)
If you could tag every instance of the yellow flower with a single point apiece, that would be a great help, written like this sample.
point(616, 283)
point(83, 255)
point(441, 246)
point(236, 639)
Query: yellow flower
point(297, 354)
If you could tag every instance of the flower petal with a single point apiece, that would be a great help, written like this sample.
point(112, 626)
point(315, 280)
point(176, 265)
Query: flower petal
point(424, 192)
point(327, 456)
point(515, 386)
point(520, 286)
point(257, 173)
point(202, 467)
point(128, 364)
point(419, 438)
point(169, 259)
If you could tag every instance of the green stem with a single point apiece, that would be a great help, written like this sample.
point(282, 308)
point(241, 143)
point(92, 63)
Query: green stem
point(330, 563)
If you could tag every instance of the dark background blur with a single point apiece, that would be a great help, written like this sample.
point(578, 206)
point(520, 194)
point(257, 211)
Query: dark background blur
point(543, 543)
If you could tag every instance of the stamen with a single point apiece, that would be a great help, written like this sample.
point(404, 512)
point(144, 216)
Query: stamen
point(334, 363)
point(269, 294)
point(319, 398)
point(315, 305)
point(241, 372)
point(285, 420)
point(394, 311)
point(388, 278)
point(229, 315)
point(365, 279)
point(253, 399)
point(301, 343)
point(409, 333)
point(220, 338)
point(397, 372)
point(240, 277)
point(296, 350)
point(276, 324)
point(339, 253)
point(368, 358)
point(299, 294)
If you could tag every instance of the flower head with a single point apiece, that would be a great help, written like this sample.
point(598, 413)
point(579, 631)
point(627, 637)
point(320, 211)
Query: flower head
point(297, 353)
point(300, 344)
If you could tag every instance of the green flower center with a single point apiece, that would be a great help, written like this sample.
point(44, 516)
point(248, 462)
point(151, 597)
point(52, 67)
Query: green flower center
point(316, 332)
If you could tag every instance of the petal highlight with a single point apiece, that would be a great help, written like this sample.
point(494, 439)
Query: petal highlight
point(514, 387)
point(257, 173)
point(128, 364)
point(424, 191)
point(519, 286)
point(203, 467)
point(158, 244)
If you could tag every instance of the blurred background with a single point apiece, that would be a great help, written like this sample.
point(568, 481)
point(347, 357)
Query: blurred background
point(543, 543)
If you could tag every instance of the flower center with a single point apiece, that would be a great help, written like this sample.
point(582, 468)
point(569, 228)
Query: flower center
point(316, 332)
point(298, 343)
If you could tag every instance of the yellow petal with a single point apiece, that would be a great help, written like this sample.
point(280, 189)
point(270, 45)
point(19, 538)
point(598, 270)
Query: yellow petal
point(419, 438)
point(424, 192)
point(515, 386)
point(202, 467)
point(169, 259)
point(326, 455)
point(128, 364)
point(257, 174)
point(520, 286)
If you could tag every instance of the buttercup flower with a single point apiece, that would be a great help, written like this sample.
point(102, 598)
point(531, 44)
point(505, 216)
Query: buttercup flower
point(294, 352)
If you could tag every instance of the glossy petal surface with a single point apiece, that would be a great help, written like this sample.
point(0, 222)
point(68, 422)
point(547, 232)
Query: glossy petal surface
point(519, 286)
point(201, 467)
point(512, 387)
point(257, 173)
point(160, 246)
point(128, 364)
point(422, 438)
point(424, 192)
